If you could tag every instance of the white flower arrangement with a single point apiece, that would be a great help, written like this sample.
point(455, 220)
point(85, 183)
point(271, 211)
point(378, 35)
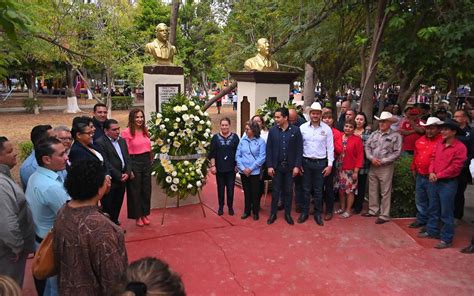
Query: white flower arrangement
point(181, 138)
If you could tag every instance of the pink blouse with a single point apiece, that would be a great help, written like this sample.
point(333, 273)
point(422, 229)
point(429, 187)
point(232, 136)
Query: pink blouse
point(137, 144)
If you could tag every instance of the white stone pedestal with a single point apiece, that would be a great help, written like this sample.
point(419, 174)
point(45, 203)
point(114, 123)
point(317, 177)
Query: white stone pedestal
point(160, 83)
point(254, 88)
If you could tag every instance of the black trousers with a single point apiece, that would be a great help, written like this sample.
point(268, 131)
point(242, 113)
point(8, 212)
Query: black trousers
point(328, 191)
point(225, 184)
point(251, 186)
point(139, 188)
point(463, 179)
point(359, 198)
point(112, 202)
point(282, 187)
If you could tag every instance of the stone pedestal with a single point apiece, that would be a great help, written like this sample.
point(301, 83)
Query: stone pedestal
point(256, 87)
point(160, 83)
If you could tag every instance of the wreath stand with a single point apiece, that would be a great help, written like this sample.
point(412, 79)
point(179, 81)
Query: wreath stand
point(166, 202)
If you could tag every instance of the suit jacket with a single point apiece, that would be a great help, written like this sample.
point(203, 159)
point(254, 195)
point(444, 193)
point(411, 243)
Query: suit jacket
point(295, 147)
point(110, 155)
point(80, 152)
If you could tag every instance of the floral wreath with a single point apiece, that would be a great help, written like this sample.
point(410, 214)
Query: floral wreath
point(181, 136)
point(267, 110)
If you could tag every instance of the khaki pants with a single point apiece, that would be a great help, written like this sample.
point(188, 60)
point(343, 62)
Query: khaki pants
point(380, 184)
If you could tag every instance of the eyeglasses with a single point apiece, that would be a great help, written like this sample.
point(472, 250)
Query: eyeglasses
point(65, 138)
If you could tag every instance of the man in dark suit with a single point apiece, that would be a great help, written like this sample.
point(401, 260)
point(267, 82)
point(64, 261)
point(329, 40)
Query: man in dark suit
point(284, 159)
point(115, 153)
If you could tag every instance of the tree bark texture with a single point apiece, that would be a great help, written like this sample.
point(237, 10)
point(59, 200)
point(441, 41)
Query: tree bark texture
point(174, 21)
point(223, 92)
point(308, 84)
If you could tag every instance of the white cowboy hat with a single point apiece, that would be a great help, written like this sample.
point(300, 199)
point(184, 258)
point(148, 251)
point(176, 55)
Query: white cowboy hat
point(386, 116)
point(315, 107)
point(432, 121)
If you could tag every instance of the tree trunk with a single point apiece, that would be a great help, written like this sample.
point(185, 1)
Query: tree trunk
point(174, 21)
point(308, 84)
point(109, 93)
point(381, 20)
point(72, 106)
point(32, 88)
point(409, 89)
point(204, 83)
point(220, 95)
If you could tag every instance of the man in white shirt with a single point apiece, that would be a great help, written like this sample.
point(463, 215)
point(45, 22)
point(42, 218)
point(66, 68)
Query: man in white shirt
point(318, 156)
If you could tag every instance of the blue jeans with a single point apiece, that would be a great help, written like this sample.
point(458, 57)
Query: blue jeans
point(441, 207)
point(282, 187)
point(313, 180)
point(423, 190)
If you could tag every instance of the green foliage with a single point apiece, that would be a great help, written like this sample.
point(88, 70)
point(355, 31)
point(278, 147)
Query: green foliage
point(31, 104)
point(12, 19)
point(403, 193)
point(25, 149)
point(122, 103)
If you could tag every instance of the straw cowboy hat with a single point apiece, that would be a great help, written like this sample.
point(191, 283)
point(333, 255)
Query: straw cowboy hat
point(386, 116)
point(315, 107)
point(432, 121)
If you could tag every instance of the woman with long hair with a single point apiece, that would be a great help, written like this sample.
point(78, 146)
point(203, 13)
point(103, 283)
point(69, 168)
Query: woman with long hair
point(223, 165)
point(261, 123)
point(139, 187)
point(363, 131)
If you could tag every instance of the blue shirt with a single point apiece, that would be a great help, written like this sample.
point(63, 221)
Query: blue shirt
point(29, 166)
point(250, 154)
point(45, 195)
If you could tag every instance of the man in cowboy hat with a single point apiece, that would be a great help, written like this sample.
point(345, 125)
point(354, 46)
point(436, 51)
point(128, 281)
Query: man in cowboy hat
point(424, 148)
point(382, 148)
point(445, 167)
point(318, 157)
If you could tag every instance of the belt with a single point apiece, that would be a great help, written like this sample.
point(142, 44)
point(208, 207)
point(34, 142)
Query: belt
point(139, 155)
point(315, 159)
point(38, 239)
point(446, 180)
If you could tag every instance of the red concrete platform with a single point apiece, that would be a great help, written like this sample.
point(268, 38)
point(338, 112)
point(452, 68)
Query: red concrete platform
point(229, 256)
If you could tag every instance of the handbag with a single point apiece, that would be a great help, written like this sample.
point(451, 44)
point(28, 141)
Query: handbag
point(44, 265)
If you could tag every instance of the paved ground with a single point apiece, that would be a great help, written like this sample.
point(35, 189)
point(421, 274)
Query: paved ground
point(229, 256)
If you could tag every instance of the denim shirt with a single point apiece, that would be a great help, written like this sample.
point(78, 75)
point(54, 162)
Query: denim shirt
point(29, 166)
point(250, 154)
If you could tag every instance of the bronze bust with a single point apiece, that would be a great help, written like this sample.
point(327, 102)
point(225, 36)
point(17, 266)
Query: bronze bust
point(263, 61)
point(160, 48)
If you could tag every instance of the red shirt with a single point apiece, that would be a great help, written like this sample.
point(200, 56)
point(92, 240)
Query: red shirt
point(423, 150)
point(354, 155)
point(409, 140)
point(337, 138)
point(447, 161)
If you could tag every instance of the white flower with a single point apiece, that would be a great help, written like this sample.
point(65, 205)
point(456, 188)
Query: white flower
point(184, 108)
point(175, 125)
point(153, 173)
point(172, 134)
point(159, 115)
point(164, 149)
point(206, 114)
point(185, 117)
point(197, 108)
point(176, 144)
point(177, 109)
point(189, 186)
point(189, 131)
point(186, 163)
point(169, 179)
point(199, 127)
point(159, 142)
point(158, 120)
point(196, 118)
point(174, 188)
point(192, 104)
point(167, 119)
point(162, 126)
point(206, 135)
point(209, 123)
point(178, 119)
point(168, 140)
point(175, 180)
point(174, 173)
point(198, 171)
point(198, 183)
point(201, 113)
point(201, 122)
point(208, 131)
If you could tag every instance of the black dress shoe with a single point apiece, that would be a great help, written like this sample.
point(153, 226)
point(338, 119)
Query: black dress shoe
point(416, 224)
point(289, 220)
point(380, 221)
point(318, 220)
point(328, 217)
point(255, 217)
point(245, 216)
point(468, 250)
point(231, 212)
point(302, 218)
point(220, 212)
point(271, 219)
point(368, 215)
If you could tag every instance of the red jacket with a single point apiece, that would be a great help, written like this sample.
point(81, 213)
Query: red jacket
point(447, 161)
point(337, 138)
point(424, 148)
point(354, 156)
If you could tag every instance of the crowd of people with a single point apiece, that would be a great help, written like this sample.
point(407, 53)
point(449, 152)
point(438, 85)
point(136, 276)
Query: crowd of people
point(74, 183)
point(322, 160)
